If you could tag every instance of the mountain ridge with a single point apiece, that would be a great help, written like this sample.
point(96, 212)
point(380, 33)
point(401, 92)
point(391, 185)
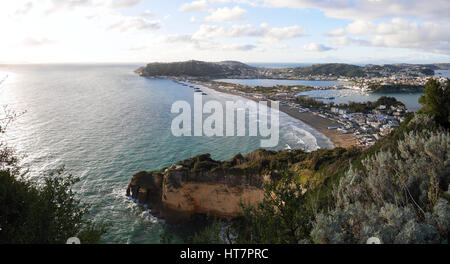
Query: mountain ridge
point(236, 69)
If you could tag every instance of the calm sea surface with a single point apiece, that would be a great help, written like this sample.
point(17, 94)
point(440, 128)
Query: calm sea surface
point(442, 73)
point(104, 123)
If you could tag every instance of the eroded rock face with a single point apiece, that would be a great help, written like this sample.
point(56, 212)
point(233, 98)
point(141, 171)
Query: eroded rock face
point(177, 194)
point(198, 186)
point(201, 185)
point(146, 188)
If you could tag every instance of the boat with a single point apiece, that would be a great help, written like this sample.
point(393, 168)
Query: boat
point(288, 147)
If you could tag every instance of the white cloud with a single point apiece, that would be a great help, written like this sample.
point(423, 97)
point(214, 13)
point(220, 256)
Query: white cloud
point(346, 41)
point(25, 9)
point(397, 33)
point(272, 34)
point(136, 23)
point(226, 14)
point(36, 42)
point(124, 3)
point(179, 38)
point(45, 26)
point(370, 9)
point(265, 32)
point(208, 44)
point(239, 47)
point(214, 31)
point(147, 13)
point(200, 5)
point(415, 24)
point(316, 47)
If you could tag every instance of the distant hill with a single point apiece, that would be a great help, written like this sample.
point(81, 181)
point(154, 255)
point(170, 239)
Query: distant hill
point(331, 69)
point(194, 68)
point(235, 69)
point(438, 66)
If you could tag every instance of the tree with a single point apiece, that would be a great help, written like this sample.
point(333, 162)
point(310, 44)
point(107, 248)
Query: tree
point(436, 101)
point(48, 213)
point(284, 215)
point(43, 214)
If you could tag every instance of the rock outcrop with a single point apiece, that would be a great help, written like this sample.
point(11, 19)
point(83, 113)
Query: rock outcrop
point(201, 185)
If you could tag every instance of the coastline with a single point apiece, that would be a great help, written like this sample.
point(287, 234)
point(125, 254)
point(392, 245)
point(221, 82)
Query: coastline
point(316, 122)
point(321, 124)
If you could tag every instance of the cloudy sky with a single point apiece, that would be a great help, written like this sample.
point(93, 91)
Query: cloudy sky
point(352, 31)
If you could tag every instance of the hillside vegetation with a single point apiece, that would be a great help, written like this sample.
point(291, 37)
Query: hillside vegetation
point(332, 69)
point(196, 69)
point(47, 212)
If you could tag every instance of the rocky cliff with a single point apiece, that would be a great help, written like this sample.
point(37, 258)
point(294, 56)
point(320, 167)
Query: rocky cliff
point(201, 185)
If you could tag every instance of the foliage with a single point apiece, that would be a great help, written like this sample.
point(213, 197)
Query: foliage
point(366, 107)
point(395, 196)
point(355, 223)
point(309, 102)
point(215, 232)
point(196, 69)
point(43, 214)
point(333, 69)
point(394, 88)
point(436, 101)
point(284, 215)
point(48, 213)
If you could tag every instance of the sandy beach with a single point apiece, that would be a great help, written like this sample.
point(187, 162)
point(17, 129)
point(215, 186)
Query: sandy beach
point(321, 124)
point(318, 123)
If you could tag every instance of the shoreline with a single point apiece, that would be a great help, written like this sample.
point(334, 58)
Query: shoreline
point(316, 122)
point(321, 124)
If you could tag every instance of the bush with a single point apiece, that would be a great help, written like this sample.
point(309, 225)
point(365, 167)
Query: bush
point(436, 101)
point(43, 214)
point(395, 196)
point(32, 213)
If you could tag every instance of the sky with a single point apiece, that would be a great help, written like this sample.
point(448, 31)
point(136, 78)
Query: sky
point(287, 31)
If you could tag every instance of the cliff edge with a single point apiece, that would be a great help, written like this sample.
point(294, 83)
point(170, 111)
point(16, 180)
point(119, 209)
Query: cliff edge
point(201, 185)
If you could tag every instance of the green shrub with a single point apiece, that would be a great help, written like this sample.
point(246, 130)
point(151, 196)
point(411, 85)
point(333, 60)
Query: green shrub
point(395, 196)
